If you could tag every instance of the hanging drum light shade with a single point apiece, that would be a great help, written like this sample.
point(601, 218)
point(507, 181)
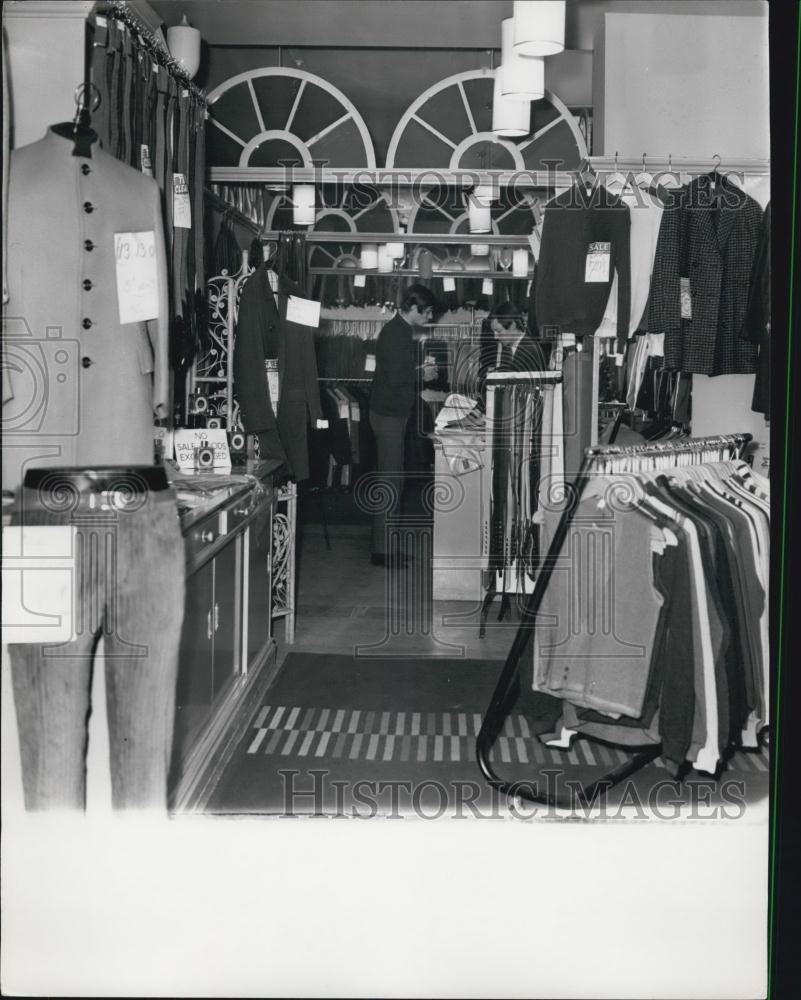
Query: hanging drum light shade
point(425, 263)
point(479, 215)
point(303, 204)
point(521, 79)
point(369, 256)
point(520, 263)
point(512, 118)
point(539, 27)
point(385, 261)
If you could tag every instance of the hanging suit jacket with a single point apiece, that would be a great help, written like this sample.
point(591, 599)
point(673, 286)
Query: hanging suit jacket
point(262, 331)
point(575, 222)
point(80, 388)
point(757, 326)
point(712, 242)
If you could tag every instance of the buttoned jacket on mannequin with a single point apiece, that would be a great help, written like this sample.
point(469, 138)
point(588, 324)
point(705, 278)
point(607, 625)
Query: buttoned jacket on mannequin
point(80, 388)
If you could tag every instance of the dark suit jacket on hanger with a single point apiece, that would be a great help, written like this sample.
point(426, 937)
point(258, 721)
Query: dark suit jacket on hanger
point(713, 243)
point(572, 223)
point(262, 331)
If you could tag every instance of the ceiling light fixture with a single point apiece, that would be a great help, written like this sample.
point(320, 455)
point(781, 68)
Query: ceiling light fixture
point(512, 118)
point(539, 27)
point(522, 79)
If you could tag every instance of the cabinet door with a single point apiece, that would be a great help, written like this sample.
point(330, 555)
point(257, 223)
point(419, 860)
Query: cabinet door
point(193, 692)
point(259, 584)
point(226, 615)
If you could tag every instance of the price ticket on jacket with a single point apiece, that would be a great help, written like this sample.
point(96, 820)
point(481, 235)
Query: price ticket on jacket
point(303, 311)
point(181, 209)
point(137, 276)
point(596, 266)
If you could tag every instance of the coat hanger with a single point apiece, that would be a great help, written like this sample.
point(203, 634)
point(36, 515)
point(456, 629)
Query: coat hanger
point(79, 130)
point(616, 182)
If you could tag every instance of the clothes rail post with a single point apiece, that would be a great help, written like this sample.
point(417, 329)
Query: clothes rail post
point(508, 682)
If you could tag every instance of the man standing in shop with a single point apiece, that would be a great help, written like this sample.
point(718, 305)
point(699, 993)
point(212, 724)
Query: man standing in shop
point(391, 400)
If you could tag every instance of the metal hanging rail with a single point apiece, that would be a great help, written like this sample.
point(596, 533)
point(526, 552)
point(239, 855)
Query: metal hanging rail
point(667, 164)
point(506, 687)
point(423, 177)
point(227, 209)
point(424, 239)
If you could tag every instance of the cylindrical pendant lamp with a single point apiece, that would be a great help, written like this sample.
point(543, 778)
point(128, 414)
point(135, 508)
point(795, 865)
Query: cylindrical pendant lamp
point(183, 41)
point(425, 263)
point(520, 263)
point(479, 249)
point(396, 250)
point(369, 256)
point(521, 79)
point(512, 118)
point(303, 204)
point(385, 261)
point(479, 215)
point(539, 27)
point(486, 194)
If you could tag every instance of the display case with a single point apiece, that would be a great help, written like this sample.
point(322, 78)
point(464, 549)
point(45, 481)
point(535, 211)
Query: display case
point(227, 654)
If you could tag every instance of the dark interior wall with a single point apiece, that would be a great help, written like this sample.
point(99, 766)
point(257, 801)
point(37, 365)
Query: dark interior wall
point(381, 83)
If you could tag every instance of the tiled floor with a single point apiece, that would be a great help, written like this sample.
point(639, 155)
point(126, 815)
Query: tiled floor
point(347, 605)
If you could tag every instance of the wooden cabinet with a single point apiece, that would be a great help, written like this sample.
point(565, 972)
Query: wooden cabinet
point(227, 653)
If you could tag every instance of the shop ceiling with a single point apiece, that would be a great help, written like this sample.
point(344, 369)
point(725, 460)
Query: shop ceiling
point(407, 24)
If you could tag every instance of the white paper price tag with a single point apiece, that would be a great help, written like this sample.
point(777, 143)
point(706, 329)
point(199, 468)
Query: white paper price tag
point(137, 276)
point(303, 311)
point(487, 286)
point(273, 382)
point(449, 284)
point(685, 298)
point(39, 583)
point(181, 209)
point(322, 425)
point(369, 363)
point(145, 164)
point(359, 280)
point(596, 267)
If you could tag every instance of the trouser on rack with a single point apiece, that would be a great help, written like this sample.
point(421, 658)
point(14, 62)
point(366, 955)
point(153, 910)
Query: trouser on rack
point(128, 587)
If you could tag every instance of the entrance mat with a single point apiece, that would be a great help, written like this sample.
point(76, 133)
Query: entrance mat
point(344, 735)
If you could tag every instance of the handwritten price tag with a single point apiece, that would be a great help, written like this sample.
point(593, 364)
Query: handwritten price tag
point(137, 276)
point(596, 267)
point(181, 210)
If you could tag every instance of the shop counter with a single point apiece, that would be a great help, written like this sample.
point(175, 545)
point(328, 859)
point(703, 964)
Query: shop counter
point(228, 652)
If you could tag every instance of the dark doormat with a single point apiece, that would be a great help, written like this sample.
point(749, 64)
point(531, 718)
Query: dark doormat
point(343, 735)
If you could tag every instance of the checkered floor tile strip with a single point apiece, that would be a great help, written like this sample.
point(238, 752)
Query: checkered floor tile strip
point(354, 734)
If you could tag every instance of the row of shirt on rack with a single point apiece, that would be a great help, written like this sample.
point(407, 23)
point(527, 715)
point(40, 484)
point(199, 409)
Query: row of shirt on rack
point(685, 262)
point(654, 625)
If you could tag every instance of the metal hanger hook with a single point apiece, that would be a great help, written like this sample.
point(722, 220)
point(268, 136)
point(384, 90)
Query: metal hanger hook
point(80, 95)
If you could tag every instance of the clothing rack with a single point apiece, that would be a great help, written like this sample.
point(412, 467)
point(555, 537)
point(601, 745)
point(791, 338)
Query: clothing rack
point(230, 212)
point(507, 688)
point(345, 379)
point(122, 12)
